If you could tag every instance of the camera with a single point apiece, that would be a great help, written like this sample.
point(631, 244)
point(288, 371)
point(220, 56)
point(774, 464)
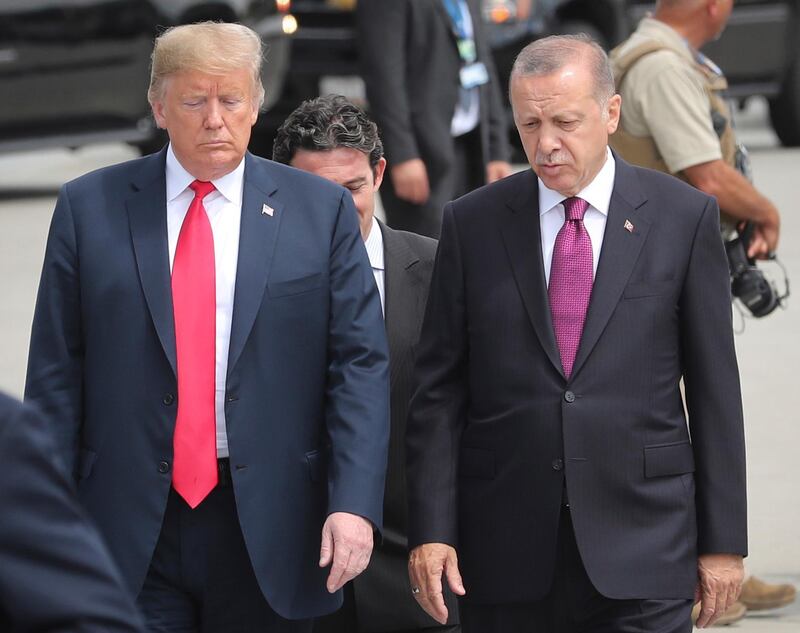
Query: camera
point(748, 283)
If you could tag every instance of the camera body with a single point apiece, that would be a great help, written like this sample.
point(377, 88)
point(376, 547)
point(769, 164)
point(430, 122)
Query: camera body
point(748, 283)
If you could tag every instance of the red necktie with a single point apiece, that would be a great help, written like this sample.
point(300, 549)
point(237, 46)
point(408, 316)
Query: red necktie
point(194, 300)
point(571, 277)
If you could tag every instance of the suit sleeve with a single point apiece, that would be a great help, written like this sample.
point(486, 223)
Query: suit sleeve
point(55, 573)
point(713, 393)
point(357, 409)
point(381, 29)
point(55, 359)
point(438, 406)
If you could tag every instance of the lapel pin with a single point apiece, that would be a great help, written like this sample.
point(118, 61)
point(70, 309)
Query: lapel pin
point(267, 210)
point(628, 226)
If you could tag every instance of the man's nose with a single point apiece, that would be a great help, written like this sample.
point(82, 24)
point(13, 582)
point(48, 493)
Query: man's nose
point(213, 115)
point(549, 141)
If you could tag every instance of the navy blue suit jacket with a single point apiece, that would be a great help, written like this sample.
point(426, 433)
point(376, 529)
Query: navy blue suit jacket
point(307, 387)
point(55, 574)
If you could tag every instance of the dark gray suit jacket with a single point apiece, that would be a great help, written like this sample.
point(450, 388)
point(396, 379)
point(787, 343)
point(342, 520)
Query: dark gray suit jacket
point(382, 599)
point(382, 595)
point(411, 66)
point(496, 431)
point(56, 576)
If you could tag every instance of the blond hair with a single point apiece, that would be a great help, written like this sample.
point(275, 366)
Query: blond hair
point(216, 48)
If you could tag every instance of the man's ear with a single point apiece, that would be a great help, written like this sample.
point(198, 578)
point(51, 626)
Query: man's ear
point(378, 172)
point(158, 114)
point(612, 113)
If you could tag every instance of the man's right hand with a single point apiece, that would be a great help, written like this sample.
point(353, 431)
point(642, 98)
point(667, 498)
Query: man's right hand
point(427, 563)
point(765, 238)
point(410, 181)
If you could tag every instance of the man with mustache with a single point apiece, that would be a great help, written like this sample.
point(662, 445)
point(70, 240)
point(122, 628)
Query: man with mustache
point(554, 482)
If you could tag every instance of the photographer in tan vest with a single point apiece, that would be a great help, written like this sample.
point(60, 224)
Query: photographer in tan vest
point(675, 118)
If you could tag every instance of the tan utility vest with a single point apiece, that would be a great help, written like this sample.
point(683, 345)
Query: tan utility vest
point(642, 150)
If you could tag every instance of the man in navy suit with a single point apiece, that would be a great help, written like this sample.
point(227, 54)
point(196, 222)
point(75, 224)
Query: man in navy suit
point(551, 460)
point(56, 576)
point(333, 138)
point(210, 334)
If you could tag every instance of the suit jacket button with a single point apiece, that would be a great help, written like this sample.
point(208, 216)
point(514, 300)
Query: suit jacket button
point(558, 464)
point(168, 399)
point(163, 467)
point(569, 396)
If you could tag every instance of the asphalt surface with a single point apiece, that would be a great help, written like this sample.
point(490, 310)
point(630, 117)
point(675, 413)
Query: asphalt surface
point(768, 349)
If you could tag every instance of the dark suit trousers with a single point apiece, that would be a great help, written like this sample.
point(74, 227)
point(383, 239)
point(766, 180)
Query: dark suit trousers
point(465, 173)
point(345, 620)
point(200, 577)
point(573, 605)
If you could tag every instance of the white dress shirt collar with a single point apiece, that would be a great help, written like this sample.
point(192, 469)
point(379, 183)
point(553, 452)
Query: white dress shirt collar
point(374, 245)
point(597, 193)
point(178, 180)
point(551, 213)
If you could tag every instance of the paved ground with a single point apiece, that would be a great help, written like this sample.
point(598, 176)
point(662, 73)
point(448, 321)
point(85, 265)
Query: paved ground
point(769, 353)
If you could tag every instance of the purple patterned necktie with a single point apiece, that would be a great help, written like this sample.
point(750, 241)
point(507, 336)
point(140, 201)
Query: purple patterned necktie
point(571, 276)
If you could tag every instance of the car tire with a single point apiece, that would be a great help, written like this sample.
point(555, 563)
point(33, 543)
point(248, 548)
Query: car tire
point(784, 110)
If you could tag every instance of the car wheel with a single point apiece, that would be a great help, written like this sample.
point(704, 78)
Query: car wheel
point(784, 110)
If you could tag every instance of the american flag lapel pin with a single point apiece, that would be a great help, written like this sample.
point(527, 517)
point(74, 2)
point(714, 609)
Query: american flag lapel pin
point(267, 210)
point(628, 226)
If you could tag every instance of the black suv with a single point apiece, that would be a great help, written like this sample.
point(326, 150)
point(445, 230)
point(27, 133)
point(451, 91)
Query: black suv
point(759, 51)
point(74, 72)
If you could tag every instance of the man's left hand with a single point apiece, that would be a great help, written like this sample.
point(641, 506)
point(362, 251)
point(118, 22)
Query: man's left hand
point(721, 577)
point(497, 169)
point(347, 542)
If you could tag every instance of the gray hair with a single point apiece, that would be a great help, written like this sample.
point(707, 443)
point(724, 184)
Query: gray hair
point(550, 54)
point(216, 48)
point(327, 123)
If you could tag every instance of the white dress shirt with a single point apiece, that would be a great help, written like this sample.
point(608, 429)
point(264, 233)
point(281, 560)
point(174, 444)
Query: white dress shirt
point(467, 113)
point(551, 213)
point(374, 245)
point(224, 210)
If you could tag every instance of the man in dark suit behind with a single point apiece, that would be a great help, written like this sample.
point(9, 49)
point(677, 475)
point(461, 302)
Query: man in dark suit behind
point(56, 576)
point(433, 91)
point(333, 138)
point(208, 339)
point(547, 441)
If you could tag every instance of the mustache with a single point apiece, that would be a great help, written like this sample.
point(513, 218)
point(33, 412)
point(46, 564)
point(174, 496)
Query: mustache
point(556, 157)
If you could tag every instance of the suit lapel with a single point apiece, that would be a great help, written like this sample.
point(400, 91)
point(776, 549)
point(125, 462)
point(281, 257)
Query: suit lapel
point(256, 247)
point(522, 237)
point(618, 256)
point(147, 217)
point(402, 286)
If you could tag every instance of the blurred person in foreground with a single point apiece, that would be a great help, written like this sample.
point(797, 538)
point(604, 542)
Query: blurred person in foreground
point(333, 138)
point(433, 91)
point(553, 480)
point(208, 340)
point(676, 118)
point(56, 576)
